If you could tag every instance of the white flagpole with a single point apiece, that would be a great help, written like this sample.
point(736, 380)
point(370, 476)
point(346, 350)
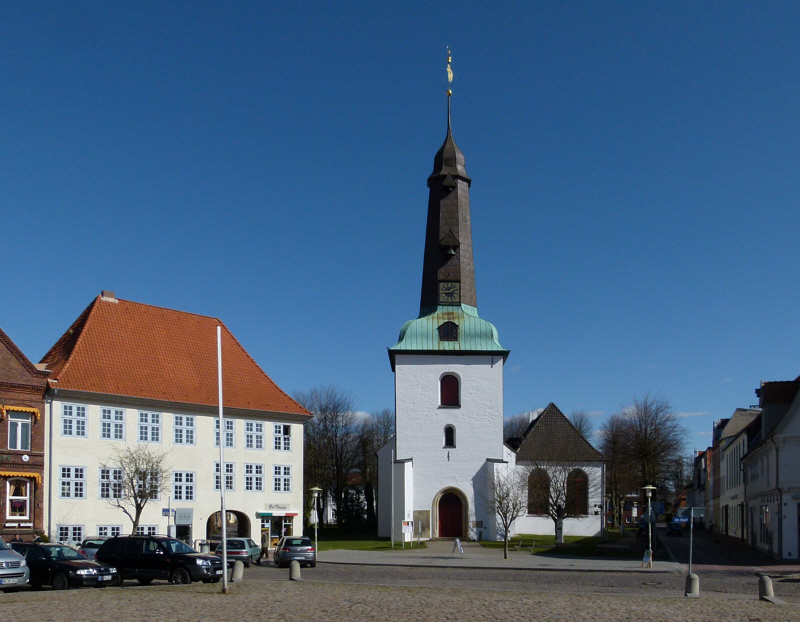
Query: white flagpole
point(223, 513)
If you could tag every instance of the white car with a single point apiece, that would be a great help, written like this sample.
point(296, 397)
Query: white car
point(14, 571)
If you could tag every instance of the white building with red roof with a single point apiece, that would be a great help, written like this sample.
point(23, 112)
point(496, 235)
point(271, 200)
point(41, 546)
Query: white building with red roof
point(127, 374)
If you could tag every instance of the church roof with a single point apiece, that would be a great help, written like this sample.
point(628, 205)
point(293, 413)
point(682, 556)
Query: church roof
point(123, 348)
point(475, 335)
point(552, 438)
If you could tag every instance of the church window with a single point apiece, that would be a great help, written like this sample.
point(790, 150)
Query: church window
point(449, 436)
point(577, 493)
point(448, 331)
point(538, 492)
point(449, 391)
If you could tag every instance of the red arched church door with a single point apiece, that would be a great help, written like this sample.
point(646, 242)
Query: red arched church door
point(450, 516)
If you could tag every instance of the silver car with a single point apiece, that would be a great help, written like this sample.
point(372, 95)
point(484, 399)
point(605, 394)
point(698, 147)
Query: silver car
point(14, 570)
point(295, 548)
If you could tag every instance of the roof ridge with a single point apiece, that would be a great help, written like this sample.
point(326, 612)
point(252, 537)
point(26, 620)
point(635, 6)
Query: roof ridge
point(144, 304)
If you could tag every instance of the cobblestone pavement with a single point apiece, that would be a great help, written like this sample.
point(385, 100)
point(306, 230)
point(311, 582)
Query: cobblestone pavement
point(353, 593)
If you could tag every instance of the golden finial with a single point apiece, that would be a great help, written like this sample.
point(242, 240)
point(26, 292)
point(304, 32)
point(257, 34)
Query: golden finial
point(449, 71)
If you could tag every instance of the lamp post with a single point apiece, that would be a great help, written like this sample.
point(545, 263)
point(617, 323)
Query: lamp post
point(315, 492)
point(648, 490)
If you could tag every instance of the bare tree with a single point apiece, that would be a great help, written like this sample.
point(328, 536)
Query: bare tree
point(620, 474)
point(655, 438)
point(560, 490)
point(133, 477)
point(375, 432)
point(583, 423)
point(515, 426)
point(506, 499)
point(331, 449)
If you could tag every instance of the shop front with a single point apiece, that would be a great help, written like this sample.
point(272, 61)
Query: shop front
point(277, 521)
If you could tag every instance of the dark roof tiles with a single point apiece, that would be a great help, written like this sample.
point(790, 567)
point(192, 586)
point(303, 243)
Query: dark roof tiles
point(552, 438)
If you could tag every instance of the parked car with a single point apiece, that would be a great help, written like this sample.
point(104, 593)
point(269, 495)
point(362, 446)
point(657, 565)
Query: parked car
point(90, 546)
point(242, 549)
point(295, 548)
point(14, 569)
point(63, 567)
point(674, 529)
point(145, 558)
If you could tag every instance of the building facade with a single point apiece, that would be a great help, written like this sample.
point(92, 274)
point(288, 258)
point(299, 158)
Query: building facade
point(127, 375)
point(22, 444)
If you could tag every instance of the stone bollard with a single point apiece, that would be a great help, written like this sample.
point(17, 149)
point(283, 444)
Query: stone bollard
point(238, 572)
point(765, 591)
point(692, 586)
point(294, 571)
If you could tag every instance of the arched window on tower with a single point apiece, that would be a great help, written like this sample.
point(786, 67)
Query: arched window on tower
point(577, 493)
point(449, 394)
point(539, 492)
point(448, 331)
point(449, 437)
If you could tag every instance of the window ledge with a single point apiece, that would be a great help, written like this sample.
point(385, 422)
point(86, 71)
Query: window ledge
point(446, 406)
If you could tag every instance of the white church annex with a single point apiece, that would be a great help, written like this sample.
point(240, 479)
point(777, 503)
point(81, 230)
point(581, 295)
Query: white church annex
point(448, 366)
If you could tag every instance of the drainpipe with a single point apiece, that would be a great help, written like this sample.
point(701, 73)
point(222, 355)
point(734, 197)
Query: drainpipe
point(50, 468)
point(780, 499)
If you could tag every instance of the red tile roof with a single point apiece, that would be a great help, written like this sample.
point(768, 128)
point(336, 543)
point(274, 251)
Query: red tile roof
point(117, 347)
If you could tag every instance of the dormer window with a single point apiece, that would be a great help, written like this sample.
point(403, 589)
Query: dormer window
point(448, 331)
point(449, 391)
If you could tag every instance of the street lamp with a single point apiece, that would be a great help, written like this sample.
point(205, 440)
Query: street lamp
point(648, 490)
point(315, 492)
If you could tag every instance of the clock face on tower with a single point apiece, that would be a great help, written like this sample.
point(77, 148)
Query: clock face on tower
point(449, 293)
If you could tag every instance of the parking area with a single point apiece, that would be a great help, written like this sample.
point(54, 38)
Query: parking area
point(355, 592)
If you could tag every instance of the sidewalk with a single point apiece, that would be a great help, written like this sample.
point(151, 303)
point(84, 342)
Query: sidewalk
point(439, 553)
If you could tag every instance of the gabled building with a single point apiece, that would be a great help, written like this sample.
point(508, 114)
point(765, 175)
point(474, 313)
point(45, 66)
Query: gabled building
point(22, 390)
point(772, 471)
point(562, 467)
point(732, 446)
point(127, 375)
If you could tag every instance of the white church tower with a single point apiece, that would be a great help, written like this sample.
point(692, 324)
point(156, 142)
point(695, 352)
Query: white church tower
point(448, 366)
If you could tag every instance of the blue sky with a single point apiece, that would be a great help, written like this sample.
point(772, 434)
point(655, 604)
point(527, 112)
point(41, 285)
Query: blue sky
point(634, 198)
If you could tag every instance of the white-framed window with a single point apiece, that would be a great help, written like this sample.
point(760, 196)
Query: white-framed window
point(230, 433)
point(149, 427)
point(110, 483)
point(18, 499)
point(70, 534)
point(19, 431)
point(282, 437)
point(254, 477)
point(109, 531)
point(183, 428)
point(148, 483)
point(183, 485)
point(112, 424)
point(253, 435)
point(72, 482)
point(281, 478)
point(230, 476)
point(73, 420)
point(147, 530)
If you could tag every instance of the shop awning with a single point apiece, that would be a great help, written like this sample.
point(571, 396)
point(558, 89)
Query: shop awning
point(28, 475)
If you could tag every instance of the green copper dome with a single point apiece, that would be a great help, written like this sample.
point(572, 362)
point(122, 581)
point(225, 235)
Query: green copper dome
point(472, 336)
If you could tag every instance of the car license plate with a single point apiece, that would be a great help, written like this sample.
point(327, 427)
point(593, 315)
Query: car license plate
point(218, 572)
point(298, 557)
point(104, 577)
point(7, 581)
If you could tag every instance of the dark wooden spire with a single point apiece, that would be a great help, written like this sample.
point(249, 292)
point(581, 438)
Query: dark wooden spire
point(448, 272)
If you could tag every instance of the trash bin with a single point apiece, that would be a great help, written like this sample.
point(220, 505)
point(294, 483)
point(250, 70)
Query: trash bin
point(205, 546)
